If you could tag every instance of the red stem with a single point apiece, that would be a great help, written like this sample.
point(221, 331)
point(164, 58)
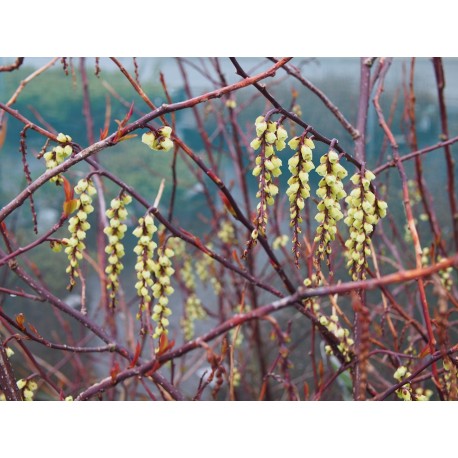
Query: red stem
point(440, 80)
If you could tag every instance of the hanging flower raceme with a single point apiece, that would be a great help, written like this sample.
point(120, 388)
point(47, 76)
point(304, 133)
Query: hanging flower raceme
point(450, 379)
point(163, 272)
point(444, 275)
point(406, 392)
point(346, 343)
point(145, 265)
point(205, 268)
point(28, 388)
point(58, 155)
point(159, 140)
point(193, 311)
point(115, 249)
point(330, 190)
point(280, 241)
point(192, 308)
point(78, 226)
point(226, 232)
point(300, 164)
point(364, 212)
point(270, 137)
point(312, 302)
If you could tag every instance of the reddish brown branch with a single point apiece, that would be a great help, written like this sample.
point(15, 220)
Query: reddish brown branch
point(7, 380)
point(86, 322)
point(411, 378)
point(409, 214)
point(440, 80)
point(359, 322)
point(420, 180)
point(295, 72)
point(316, 135)
point(407, 157)
point(237, 320)
point(111, 140)
point(35, 243)
point(14, 66)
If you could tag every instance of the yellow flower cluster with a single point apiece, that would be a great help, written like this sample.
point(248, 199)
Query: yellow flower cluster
point(159, 140)
point(280, 241)
point(28, 388)
point(116, 214)
point(163, 271)
point(330, 191)
point(406, 392)
point(270, 137)
point(226, 232)
point(187, 273)
point(193, 311)
point(364, 212)
point(343, 335)
point(9, 352)
point(422, 394)
point(145, 265)
point(300, 164)
point(444, 275)
point(205, 269)
point(312, 303)
point(450, 378)
point(237, 334)
point(176, 244)
point(78, 225)
point(236, 376)
point(58, 155)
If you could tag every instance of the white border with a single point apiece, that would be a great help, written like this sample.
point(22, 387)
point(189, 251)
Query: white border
point(193, 429)
point(239, 27)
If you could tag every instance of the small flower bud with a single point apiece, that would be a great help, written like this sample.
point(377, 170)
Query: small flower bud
point(369, 175)
point(165, 131)
point(270, 137)
point(324, 321)
point(261, 127)
point(333, 157)
point(61, 138)
point(149, 138)
point(282, 135)
point(9, 352)
point(294, 143)
point(167, 144)
point(256, 143)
